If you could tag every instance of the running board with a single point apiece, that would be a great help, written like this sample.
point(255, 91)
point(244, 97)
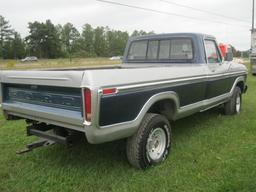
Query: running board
point(211, 107)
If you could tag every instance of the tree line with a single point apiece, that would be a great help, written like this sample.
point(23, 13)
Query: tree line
point(46, 40)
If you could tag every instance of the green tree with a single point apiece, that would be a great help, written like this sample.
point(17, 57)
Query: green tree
point(69, 38)
point(100, 43)
point(19, 50)
point(44, 40)
point(116, 42)
point(245, 54)
point(14, 48)
point(5, 34)
point(87, 40)
point(52, 43)
point(35, 38)
point(141, 32)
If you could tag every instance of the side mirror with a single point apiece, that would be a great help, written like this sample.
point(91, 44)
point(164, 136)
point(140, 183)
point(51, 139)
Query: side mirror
point(229, 56)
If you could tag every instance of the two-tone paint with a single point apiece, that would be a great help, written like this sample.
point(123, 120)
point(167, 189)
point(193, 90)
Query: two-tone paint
point(192, 87)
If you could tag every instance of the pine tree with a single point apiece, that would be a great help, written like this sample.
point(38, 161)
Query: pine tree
point(5, 34)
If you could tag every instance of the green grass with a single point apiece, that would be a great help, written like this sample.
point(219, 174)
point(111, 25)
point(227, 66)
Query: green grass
point(210, 152)
point(56, 63)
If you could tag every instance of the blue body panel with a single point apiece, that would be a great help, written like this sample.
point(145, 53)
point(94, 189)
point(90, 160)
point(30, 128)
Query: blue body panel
point(125, 106)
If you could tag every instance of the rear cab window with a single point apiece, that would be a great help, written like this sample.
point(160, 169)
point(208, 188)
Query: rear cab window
point(181, 49)
point(138, 50)
point(177, 49)
point(164, 49)
point(152, 50)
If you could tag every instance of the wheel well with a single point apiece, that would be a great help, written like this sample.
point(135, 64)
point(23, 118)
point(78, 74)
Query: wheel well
point(240, 84)
point(166, 107)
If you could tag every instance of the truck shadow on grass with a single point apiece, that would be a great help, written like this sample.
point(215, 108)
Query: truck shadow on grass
point(112, 154)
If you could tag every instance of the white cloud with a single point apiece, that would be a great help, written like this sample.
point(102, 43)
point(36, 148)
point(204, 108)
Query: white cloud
point(79, 12)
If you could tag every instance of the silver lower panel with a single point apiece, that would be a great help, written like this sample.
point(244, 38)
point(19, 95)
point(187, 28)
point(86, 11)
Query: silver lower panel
point(60, 117)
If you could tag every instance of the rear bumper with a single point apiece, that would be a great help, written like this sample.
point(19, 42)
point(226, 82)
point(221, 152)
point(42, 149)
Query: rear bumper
point(69, 119)
point(59, 117)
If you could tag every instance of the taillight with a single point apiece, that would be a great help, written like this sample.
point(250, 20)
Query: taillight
point(87, 104)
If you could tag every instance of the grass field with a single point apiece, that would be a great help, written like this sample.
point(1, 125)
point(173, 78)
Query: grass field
point(56, 63)
point(210, 152)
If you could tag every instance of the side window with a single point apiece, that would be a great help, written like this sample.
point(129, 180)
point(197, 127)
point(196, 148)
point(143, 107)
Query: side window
point(212, 53)
point(164, 49)
point(181, 49)
point(138, 50)
point(152, 50)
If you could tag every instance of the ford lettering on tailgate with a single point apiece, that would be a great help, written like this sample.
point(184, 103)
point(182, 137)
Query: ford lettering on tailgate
point(51, 97)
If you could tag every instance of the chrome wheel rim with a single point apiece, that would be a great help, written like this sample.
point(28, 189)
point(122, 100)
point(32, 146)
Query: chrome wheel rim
point(238, 104)
point(156, 144)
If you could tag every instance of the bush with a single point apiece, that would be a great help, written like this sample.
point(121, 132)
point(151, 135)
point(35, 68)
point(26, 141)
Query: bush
point(10, 64)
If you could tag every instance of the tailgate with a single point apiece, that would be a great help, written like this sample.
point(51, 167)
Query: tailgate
point(53, 97)
point(50, 78)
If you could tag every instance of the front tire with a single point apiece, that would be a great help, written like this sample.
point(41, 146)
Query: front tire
point(150, 145)
point(233, 106)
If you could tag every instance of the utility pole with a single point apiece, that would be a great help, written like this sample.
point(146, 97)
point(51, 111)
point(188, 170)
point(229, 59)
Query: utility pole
point(252, 15)
point(253, 44)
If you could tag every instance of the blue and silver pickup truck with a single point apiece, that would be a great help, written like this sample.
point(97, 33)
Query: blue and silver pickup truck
point(162, 78)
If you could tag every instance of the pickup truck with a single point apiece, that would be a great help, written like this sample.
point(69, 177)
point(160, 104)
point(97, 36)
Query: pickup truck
point(162, 78)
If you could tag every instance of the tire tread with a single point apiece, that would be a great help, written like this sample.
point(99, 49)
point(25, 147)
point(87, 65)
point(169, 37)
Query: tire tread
point(134, 143)
point(230, 106)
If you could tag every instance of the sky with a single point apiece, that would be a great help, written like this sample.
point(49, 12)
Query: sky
point(178, 19)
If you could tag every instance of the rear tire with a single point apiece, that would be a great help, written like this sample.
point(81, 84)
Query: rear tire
point(233, 106)
point(150, 145)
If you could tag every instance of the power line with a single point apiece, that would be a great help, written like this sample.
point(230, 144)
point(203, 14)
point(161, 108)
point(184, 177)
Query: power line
point(204, 11)
point(167, 13)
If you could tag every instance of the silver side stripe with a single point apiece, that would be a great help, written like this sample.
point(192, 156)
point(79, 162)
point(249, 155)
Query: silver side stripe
point(179, 80)
point(39, 78)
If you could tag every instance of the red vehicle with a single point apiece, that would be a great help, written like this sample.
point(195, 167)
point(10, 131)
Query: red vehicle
point(226, 51)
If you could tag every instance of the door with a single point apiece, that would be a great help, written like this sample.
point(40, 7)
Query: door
point(217, 82)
